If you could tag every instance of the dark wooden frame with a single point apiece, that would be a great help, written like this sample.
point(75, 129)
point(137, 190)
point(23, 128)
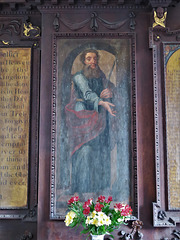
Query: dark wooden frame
point(162, 216)
point(15, 27)
point(134, 184)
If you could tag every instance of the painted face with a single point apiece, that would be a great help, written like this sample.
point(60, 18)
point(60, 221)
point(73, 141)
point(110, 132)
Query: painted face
point(91, 59)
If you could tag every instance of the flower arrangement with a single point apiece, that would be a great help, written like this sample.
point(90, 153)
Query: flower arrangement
point(97, 218)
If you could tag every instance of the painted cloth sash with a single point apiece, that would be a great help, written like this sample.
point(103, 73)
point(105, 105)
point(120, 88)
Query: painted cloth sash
point(83, 125)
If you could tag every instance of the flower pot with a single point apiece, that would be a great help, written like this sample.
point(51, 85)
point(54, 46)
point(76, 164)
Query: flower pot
point(97, 237)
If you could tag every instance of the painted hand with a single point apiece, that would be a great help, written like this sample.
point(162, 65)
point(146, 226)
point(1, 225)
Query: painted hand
point(109, 107)
point(106, 93)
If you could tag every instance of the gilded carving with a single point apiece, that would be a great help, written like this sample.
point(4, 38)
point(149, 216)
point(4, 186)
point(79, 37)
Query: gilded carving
point(160, 18)
point(31, 31)
point(5, 43)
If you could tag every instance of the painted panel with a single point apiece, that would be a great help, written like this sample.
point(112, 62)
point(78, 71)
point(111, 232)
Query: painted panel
point(15, 72)
point(93, 144)
point(172, 106)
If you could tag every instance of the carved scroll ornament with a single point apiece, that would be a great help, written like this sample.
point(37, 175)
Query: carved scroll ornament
point(11, 27)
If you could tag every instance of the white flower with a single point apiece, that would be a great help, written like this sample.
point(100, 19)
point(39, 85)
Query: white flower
point(107, 221)
point(95, 222)
point(69, 218)
point(88, 220)
point(100, 217)
point(101, 222)
point(101, 214)
point(93, 214)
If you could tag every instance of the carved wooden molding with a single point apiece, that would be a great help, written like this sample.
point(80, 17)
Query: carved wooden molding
point(31, 216)
point(159, 3)
point(162, 217)
point(26, 4)
point(11, 216)
point(93, 21)
point(93, 6)
point(157, 36)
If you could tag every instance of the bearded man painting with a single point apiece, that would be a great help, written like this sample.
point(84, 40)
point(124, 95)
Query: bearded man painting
point(87, 118)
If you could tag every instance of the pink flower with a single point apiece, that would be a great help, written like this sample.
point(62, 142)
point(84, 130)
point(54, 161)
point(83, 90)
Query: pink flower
point(109, 199)
point(98, 207)
point(126, 211)
point(89, 202)
point(76, 198)
point(118, 206)
point(73, 200)
point(86, 211)
point(101, 199)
